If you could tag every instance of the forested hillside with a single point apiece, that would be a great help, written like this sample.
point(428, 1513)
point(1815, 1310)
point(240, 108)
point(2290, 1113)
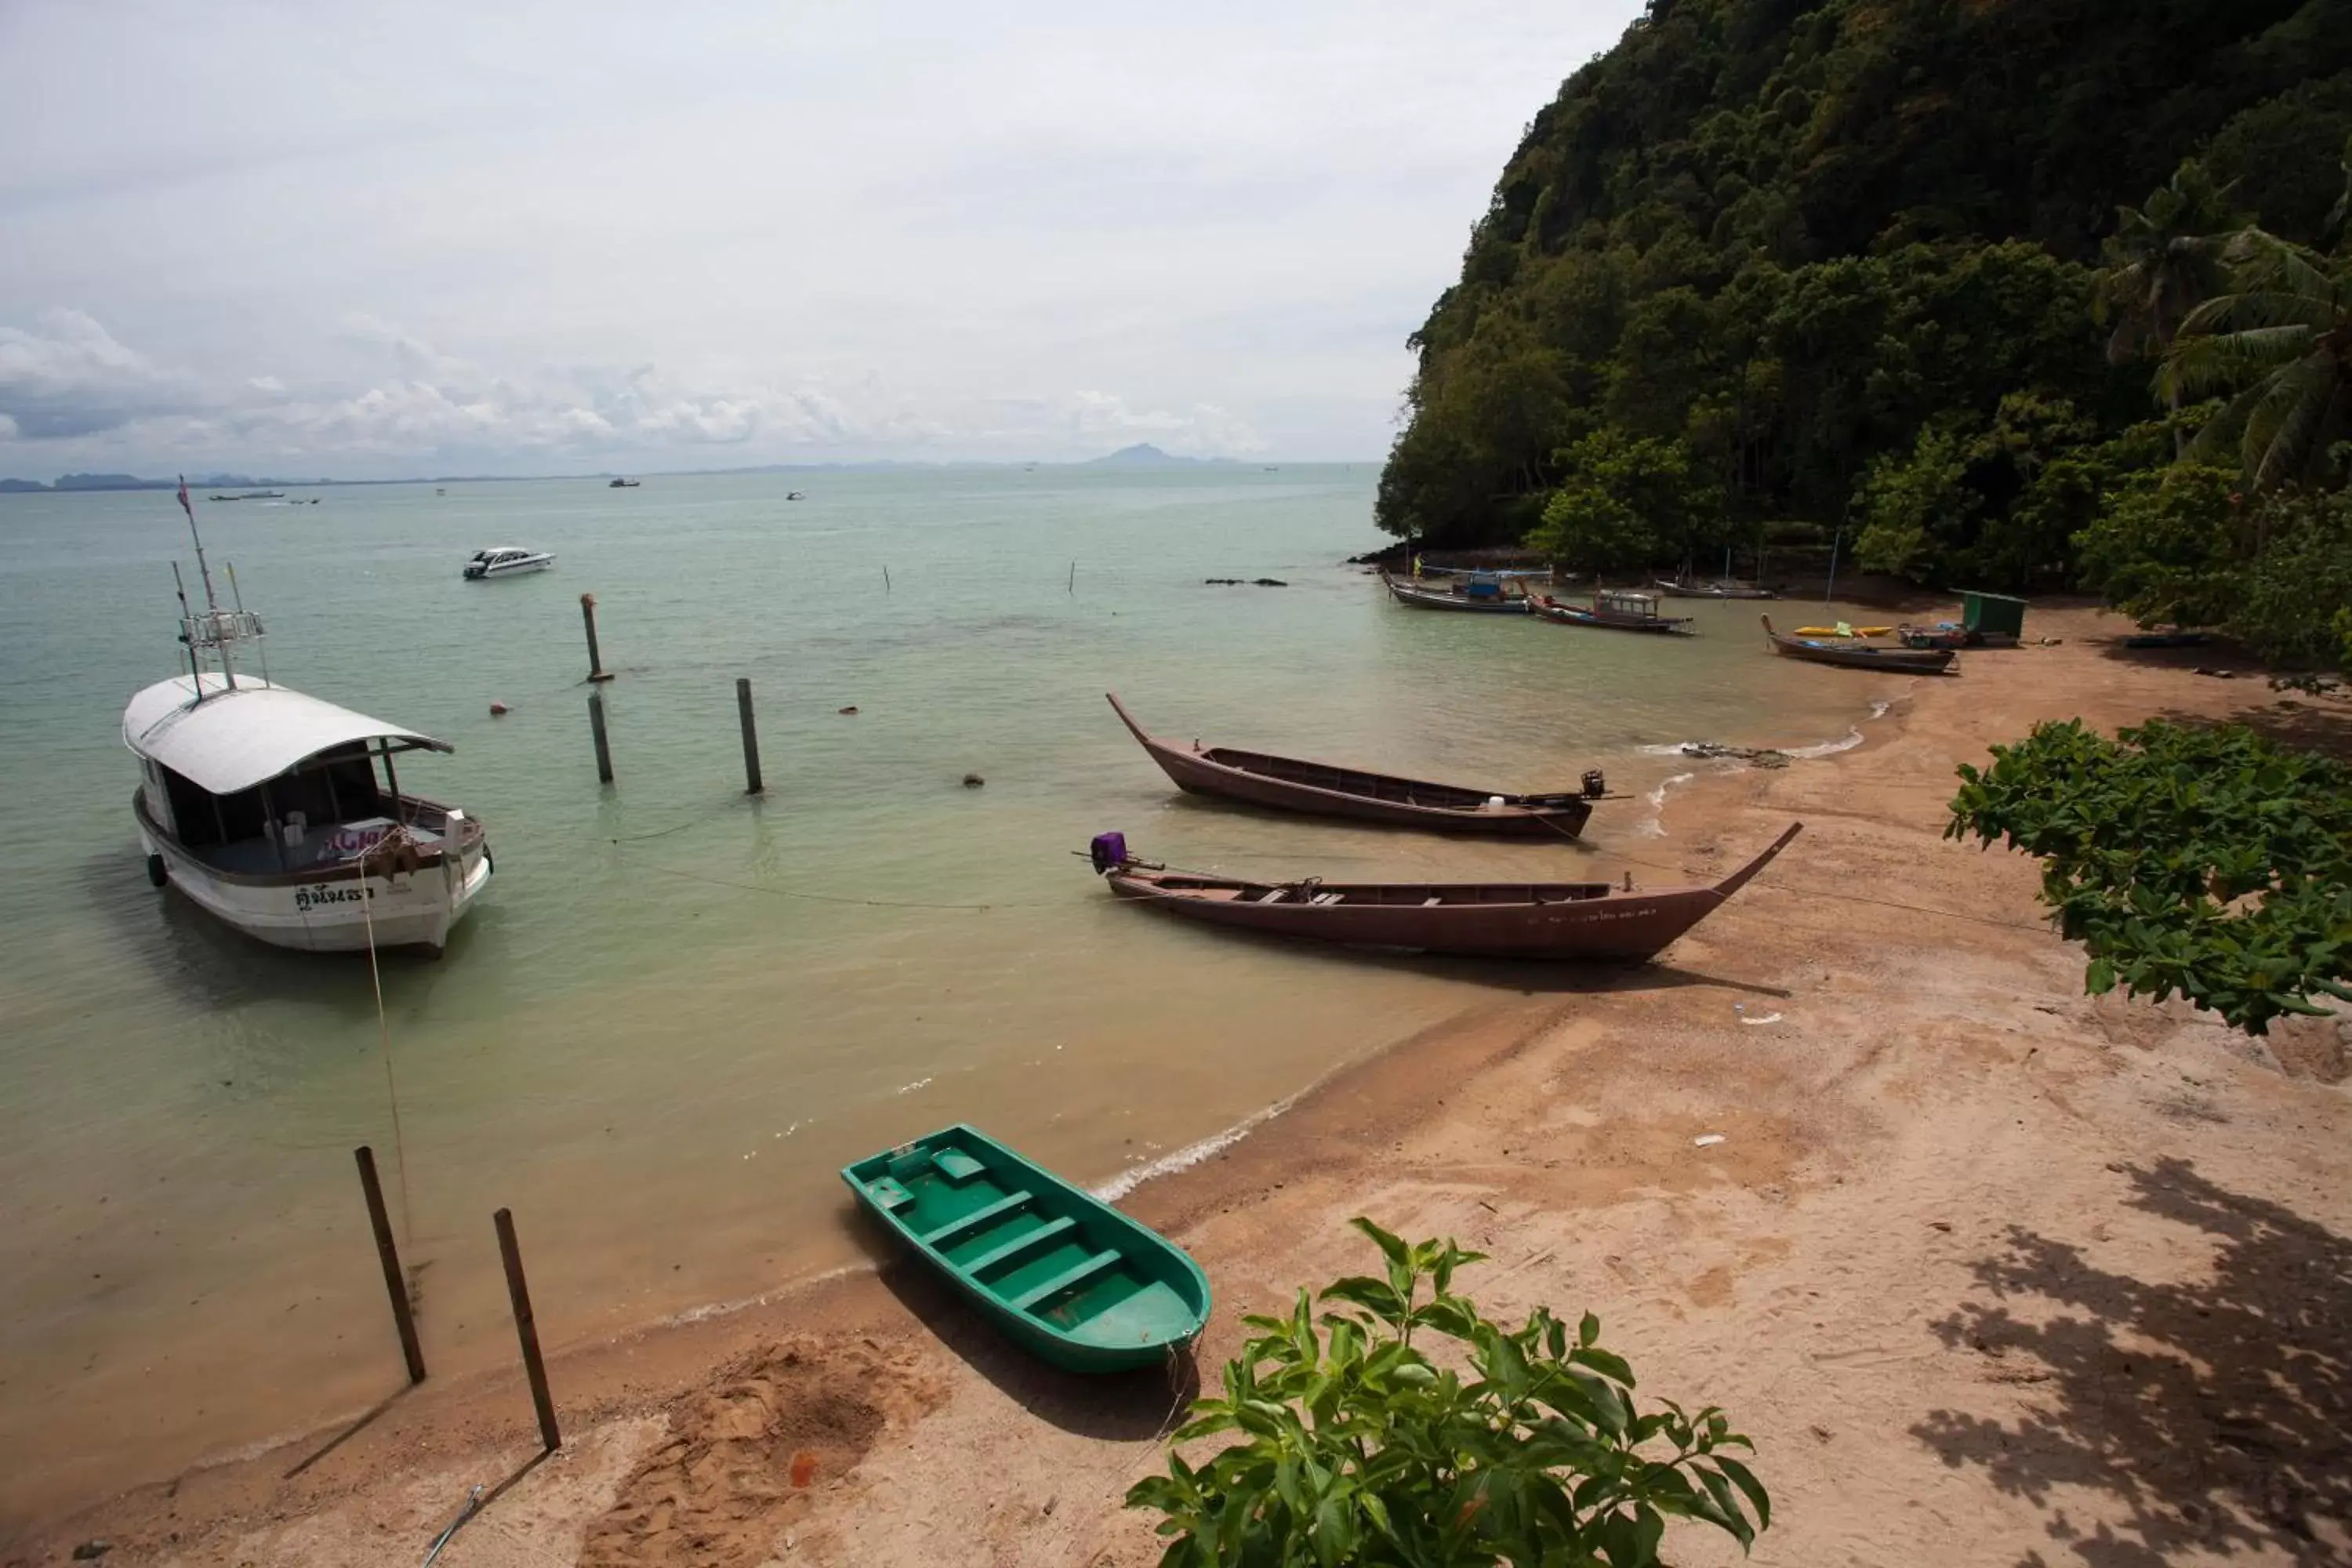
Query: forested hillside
point(1777, 267)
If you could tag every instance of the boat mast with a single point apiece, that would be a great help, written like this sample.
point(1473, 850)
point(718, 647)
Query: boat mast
point(196, 670)
point(237, 594)
point(216, 629)
point(212, 602)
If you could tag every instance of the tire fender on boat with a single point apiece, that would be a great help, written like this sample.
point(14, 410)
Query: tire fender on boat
point(157, 872)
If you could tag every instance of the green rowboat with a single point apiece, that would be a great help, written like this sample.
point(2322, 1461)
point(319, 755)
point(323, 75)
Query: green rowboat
point(1059, 1271)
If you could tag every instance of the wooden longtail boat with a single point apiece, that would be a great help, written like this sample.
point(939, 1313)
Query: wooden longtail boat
point(1061, 1273)
point(1469, 596)
point(1612, 610)
point(1855, 656)
point(1286, 784)
point(1510, 919)
point(1723, 588)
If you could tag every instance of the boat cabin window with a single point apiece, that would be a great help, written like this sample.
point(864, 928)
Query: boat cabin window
point(338, 788)
point(1630, 603)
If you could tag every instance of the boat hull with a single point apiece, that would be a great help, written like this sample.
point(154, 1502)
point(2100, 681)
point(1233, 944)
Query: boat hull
point(1421, 598)
point(1442, 808)
point(1553, 610)
point(518, 569)
point(1711, 590)
point(339, 913)
point(1056, 1270)
point(1897, 660)
point(1522, 921)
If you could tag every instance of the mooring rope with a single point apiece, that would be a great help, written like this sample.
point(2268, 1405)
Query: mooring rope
point(383, 1033)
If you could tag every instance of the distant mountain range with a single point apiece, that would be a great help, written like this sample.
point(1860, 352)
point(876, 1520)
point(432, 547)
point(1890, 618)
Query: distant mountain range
point(133, 482)
point(1142, 455)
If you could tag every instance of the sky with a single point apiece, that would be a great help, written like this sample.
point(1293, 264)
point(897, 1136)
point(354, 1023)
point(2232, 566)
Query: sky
point(368, 241)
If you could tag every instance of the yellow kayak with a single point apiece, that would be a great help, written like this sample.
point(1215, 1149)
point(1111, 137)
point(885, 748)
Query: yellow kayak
point(1843, 630)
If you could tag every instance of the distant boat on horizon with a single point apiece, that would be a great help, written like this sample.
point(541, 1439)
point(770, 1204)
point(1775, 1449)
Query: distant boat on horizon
point(251, 495)
point(622, 485)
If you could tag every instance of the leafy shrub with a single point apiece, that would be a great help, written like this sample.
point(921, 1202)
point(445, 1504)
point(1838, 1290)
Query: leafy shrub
point(1358, 1448)
point(1623, 503)
point(2203, 862)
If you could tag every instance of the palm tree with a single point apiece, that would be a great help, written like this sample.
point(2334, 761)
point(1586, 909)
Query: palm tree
point(2280, 339)
point(2163, 259)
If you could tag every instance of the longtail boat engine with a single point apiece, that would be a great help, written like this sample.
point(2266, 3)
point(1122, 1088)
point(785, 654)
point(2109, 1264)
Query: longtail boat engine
point(1108, 852)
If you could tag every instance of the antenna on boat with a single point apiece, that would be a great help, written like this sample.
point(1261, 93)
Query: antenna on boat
point(237, 594)
point(195, 672)
point(216, 629)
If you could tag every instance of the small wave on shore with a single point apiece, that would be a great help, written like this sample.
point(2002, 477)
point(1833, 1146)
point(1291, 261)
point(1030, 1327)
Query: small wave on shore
point(1191, 1154)
point(1654, 825)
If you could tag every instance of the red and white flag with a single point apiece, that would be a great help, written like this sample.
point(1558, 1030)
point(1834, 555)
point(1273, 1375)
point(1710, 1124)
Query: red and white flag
point(184, 499)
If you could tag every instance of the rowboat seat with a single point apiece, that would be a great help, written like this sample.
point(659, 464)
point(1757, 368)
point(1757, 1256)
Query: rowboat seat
point(1432, 901)
point(978, 1219)
point(1326, 898)
point(1076, 1274)
point(956, 1165)
point(889, 1193)
point(1272, 896)
point(1044, 1236)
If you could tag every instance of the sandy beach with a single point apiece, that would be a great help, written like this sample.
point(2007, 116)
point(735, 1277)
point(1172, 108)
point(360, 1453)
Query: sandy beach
point(1991, 1271)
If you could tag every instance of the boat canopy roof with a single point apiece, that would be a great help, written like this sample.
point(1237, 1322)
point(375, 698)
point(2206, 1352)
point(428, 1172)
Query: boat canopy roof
point(235, 739)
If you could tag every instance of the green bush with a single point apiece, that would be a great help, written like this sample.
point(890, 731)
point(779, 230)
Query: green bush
point(1625, 503)
point(1358, 1448)
point(2205, 862)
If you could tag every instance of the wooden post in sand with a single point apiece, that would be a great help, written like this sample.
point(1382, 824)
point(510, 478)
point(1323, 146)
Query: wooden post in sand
point(596, 732)
point(395, 1283)
point(751, 735)
point(597, 671)
point(526, 1330)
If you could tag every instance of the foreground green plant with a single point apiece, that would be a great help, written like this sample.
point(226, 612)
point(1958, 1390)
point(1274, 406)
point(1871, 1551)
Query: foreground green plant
point(1360, 1450)
point(2202, 862)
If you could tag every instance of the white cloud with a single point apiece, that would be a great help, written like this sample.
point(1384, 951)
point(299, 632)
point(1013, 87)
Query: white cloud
point(439, 408)
point(67, 377)
point(753, 232)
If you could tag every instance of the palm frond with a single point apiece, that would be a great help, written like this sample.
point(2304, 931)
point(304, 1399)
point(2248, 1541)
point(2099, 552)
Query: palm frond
point(2258, 308)
point(2213, 441)
point(2215, 362)
point(2280, 427)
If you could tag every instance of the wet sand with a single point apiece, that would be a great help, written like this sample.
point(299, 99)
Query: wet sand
point(1992, 1272)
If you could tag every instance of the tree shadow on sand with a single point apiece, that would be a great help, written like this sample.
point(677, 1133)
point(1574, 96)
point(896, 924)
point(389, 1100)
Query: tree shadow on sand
point(2305, 724)
point(2218, 1411)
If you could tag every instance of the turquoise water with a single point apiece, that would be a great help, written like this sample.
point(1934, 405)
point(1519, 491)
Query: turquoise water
point(677, 1010)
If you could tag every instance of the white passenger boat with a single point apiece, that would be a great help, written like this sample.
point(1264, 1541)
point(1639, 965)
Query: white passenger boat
point(265, 808)
point(507, 561)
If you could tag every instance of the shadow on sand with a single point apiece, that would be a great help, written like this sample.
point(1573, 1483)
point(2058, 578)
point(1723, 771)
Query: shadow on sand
point(2293, 720)
point(2217, 1412)
point(1122, 1406)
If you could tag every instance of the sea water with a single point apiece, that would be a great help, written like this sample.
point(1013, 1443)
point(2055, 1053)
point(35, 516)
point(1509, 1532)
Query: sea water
point(677, 1010)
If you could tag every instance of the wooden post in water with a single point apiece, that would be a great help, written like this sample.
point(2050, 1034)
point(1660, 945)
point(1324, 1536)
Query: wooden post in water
point(526, 1330)
point(395, 1283)
point(1074, 576)
point(596, 729)
point(751, 735)
point(597, 671)
point(886, 579)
